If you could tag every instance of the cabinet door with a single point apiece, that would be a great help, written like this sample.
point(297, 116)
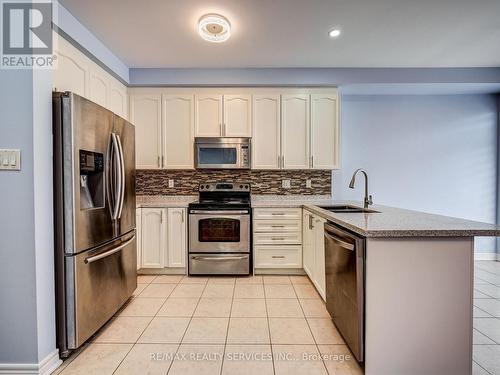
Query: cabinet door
point(138, 231)
point(237, 116)
point(295, 131)
point(153, 237)
point(308, 244)
point(266, 132)
point(177, 241)
point(319, 256)
point(324, 132)
point(208, 115)
point(178, 133)
point(72, 71)
point(98, 86)
point(145, 114)
point(117, 99)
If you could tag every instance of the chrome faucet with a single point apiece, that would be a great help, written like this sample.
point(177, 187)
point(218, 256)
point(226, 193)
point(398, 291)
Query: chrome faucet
point(368, 198)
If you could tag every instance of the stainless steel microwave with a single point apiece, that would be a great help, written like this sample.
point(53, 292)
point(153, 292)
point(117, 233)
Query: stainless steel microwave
point(222, 153)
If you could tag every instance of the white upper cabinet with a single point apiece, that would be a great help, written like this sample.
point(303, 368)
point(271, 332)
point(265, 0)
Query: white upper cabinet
point(98, 86)
point(71, 73)
point(324, 131)
point(117, 100)
point(266, 150)
point(295, 131)
point(208, 115)
point(75, 72)
point(237, 116)
point(178, 131)
point(177, 238)
point(153, 237)
point(145, 114)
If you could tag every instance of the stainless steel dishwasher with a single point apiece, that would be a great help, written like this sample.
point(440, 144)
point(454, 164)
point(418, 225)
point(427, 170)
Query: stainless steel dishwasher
point(345, 291)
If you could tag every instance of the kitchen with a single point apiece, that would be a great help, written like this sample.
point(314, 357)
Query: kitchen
point(313, 208)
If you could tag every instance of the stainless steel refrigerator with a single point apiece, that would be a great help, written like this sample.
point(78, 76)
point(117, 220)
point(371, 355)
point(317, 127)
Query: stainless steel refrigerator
point(94, 214)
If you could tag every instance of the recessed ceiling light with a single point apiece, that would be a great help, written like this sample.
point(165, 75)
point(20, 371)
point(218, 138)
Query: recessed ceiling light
point(335, 33)
point(214, 28)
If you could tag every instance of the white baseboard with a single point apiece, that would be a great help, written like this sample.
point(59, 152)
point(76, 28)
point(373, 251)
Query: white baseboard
point(45, 367)
point(486, 256)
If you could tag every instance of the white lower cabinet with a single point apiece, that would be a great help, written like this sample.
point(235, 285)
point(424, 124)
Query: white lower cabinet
point(314, 250)
point(277, 238)
point(163, 237)
point(138, 235)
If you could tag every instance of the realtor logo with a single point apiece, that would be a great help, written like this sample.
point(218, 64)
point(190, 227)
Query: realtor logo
point(27, 34)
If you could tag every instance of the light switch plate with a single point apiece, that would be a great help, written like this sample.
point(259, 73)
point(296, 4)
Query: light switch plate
point(308, 184)
point(285, 184)
point(10, 160)
point(171, 183)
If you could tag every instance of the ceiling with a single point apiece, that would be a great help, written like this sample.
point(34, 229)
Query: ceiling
point(294, 33)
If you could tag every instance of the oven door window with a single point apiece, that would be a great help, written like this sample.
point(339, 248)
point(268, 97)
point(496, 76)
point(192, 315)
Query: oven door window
point(219, 230)
point(211, 155)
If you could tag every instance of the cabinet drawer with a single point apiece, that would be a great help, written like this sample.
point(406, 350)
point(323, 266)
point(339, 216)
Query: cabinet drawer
point(278, 256)
point(278, 238)
point(278, 213)
point(277, 226)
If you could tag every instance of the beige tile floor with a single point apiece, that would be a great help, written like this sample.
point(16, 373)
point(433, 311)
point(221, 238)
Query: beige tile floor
point(183, 325)
point(486, 318)
point(254, 325)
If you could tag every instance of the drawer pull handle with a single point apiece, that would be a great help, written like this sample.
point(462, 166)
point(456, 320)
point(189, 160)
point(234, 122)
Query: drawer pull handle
point(277, 226)
point(278, 256)
point(278, 238)
point(278, 213)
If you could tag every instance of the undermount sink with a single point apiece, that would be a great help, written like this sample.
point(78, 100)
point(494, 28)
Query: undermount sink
point(345, 208)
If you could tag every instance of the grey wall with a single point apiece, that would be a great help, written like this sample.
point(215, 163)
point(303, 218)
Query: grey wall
point(435, 154)
point(27, 313)
point(18, 341)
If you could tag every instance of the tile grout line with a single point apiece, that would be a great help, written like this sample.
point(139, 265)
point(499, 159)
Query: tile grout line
point(145, 328)
point(310, 330)
point(482, 367)
point(268, 327)
point(227, 329)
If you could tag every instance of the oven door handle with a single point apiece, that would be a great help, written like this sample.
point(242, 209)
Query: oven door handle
point(220, 212)
point(220, 258)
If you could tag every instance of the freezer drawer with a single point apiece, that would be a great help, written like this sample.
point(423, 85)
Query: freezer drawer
point(219, 264)
point(98, 283)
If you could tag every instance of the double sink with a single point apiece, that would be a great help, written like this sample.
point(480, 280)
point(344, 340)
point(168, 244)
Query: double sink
point(346, 208)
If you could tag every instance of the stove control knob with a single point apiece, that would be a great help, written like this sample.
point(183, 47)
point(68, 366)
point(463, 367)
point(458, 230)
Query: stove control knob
point(206, 186)
point(246, 186)
point(241, 186)
point(202, 187)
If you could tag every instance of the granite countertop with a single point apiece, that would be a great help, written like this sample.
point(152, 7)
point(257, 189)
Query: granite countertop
point(164, 200)
point(387, 222)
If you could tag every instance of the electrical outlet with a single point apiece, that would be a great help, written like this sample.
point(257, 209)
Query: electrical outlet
point(308, 184)
point(171, 183)
point(285, 184)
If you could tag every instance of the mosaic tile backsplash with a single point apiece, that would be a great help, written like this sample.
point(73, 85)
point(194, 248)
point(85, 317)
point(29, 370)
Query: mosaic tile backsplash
point(155, 182)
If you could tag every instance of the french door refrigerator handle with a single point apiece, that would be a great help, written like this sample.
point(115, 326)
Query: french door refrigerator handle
point(122, 178)
point(109, 252)
point(117, 187)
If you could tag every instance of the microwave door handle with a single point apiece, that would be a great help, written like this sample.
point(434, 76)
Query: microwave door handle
point(122, 178)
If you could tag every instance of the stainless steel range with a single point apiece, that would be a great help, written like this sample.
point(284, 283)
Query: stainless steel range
point(219, 230)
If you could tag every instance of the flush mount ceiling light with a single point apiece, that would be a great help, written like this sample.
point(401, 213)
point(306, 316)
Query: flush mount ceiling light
point(214, 28)
point(334, 33)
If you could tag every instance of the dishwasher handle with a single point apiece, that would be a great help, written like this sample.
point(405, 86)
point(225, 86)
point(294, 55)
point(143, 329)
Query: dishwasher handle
point(343, 244)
